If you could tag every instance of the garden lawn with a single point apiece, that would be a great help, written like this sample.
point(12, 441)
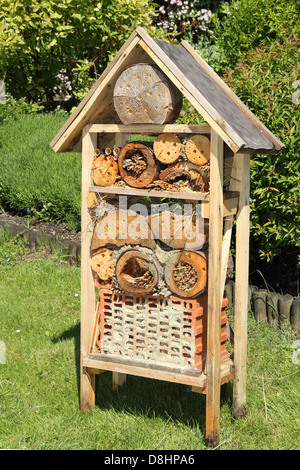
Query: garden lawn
point(34, 180)
point(39, 384)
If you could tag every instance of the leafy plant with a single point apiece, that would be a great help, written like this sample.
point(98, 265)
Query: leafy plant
point(39, 38)
point(242, 25)
point(265, 82)
point(15, 108)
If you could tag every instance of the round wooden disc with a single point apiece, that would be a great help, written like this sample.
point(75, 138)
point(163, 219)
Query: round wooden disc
point(143, 178)
point(179, 231)
point(103, 263)
point(167, 148)
point(197, 149)
point(192, 281)
point(122, 227)
point(136, 273)
point(105, 170)
point(144, 94)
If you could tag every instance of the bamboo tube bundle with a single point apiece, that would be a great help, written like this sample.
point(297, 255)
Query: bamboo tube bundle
point(103, 263)
point(186, 273)
point(104, 169)
point(137, 165)
point(137, 271)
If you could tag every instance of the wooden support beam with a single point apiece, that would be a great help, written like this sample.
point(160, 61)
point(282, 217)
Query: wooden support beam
point(213, 361)
point(119, 380)
point(87, 380)
point(225, 251)
point(242, 178)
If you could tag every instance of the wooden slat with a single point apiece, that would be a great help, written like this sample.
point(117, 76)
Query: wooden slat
point(228, 223)
point(229, 207)
point(152, 371)
point(151, 128)
point(99, 363)
point(225, 251)
point(87, 381)
point(242, 179)
point(169, 194)
point(193, 95)
point(213, 361)
point(100, 102)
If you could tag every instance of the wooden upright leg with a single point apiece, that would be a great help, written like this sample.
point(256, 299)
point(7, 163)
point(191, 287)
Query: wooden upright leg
point(87, 380)
point(213, 360)
point(241, 285)
point(119, 379)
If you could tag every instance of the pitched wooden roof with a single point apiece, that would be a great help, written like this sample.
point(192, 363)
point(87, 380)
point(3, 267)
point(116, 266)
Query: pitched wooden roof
point(206, 91)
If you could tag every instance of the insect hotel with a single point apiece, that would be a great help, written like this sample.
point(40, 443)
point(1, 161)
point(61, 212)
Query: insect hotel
point(158, 204)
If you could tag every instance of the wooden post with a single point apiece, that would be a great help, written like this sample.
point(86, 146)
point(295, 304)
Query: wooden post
point(87, 381)
point(213, 361)
point(119, 379)
point(242, 178)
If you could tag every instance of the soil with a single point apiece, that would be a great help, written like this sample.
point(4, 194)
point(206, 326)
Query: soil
point(53, 230)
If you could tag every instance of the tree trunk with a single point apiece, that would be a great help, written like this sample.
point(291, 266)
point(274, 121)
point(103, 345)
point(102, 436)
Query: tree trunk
point(144, 94)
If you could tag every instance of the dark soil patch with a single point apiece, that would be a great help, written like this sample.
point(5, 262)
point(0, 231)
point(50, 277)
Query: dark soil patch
point(58, 231)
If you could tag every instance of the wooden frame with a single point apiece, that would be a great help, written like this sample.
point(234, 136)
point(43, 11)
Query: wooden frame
point(217, 372)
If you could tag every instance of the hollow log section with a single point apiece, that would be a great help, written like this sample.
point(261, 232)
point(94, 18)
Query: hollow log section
point(144, 94)
point(182, 172)
point(136, 272)
point(186, 273)
point(137, 165)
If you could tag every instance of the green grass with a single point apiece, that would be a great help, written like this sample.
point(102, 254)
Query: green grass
point(34, 180)
point(39, 385)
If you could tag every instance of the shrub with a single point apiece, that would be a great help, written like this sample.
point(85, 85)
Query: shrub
point(266, 82)
point(13, 108)
point(39, 39)
point(244, 25)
